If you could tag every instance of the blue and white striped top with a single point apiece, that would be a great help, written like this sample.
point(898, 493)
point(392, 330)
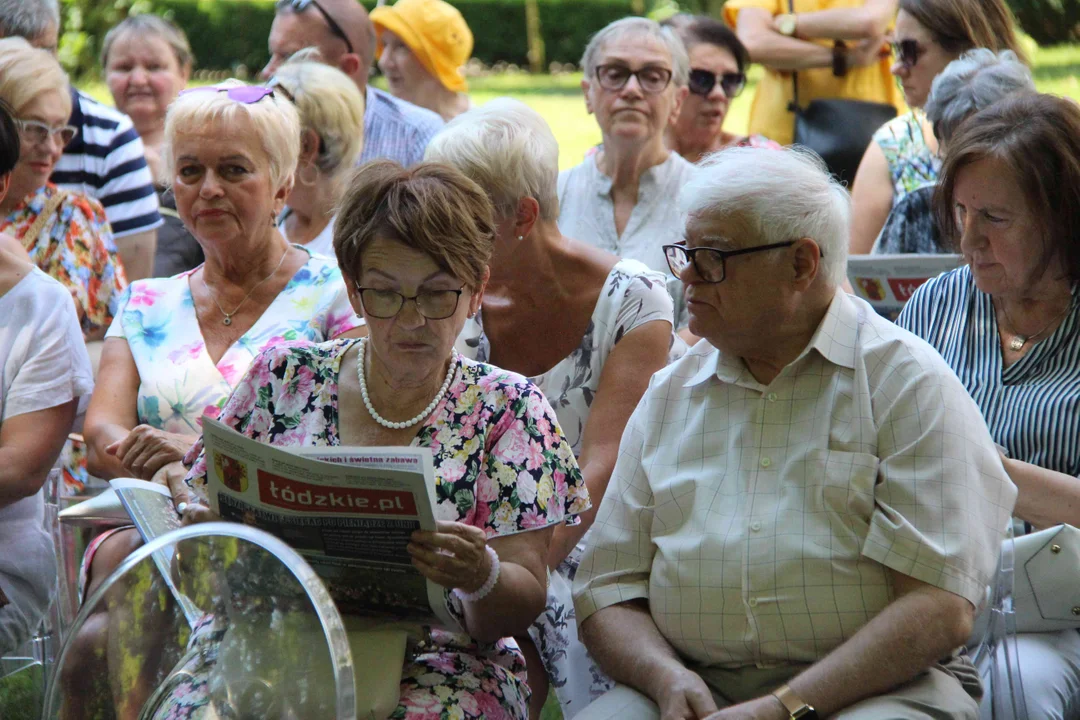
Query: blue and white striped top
point(1033, 406)
point(396, 129)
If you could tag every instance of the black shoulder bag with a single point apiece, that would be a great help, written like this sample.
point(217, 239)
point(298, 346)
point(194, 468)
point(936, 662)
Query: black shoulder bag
point(837, 130)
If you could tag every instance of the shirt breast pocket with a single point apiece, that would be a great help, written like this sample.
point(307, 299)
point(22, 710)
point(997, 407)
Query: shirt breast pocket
point(830, 494)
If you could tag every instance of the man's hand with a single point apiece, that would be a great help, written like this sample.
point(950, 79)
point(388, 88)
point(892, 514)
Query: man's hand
point(684, 696)
point(763, 708)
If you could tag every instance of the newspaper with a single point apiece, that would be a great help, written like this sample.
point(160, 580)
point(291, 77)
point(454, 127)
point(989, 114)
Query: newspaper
point(150, 507)
point(887, 282)
point(348, 511)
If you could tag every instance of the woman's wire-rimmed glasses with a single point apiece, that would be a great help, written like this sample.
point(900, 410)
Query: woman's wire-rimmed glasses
point(246, 94)
point(710, 263)
point(36, 132)
point(907, 53)
point(703, 81)
point(651, 79)
point(299, 6)
point(432, 304)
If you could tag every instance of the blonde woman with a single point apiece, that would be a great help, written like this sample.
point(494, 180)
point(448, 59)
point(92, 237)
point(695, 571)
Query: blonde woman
point(331, 138)
point(65, 234)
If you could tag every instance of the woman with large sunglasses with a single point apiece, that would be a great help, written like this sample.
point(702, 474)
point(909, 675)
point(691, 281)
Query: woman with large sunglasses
point(65, 234)
point(904, 155)
point(179, 345)
point(414, 246)
point(718, 66)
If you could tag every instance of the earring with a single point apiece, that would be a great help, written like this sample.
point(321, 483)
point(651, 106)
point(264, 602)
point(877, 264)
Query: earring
point(520, 238)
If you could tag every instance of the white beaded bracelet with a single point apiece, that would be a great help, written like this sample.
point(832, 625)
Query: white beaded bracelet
point(489, 584)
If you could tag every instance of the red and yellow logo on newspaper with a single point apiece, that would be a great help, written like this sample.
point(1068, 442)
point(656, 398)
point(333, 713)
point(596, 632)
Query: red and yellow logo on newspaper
point(295, 495)
point(232, 472)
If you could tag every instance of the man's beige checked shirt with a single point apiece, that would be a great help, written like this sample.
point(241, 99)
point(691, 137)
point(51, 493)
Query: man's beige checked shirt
point(758, 521)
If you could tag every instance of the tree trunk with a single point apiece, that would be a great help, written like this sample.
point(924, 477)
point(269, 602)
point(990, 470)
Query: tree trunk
point(535, 39)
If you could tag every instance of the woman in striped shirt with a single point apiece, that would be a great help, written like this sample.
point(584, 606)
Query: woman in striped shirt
point(1009, 325)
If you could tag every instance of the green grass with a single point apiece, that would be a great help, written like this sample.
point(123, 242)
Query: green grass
point(558, 97)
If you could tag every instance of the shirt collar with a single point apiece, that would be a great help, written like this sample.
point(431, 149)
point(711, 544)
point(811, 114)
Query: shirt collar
point(653, 176)
point(834, 339)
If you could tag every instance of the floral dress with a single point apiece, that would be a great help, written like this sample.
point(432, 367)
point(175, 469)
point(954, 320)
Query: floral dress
point(632, 296)
point(501, 464)
point(912, 164)
point(75, 247)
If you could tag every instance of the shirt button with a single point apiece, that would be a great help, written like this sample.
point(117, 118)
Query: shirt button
point(771, 397)
point(753, 602)
point(755, 526)
point(765, 462)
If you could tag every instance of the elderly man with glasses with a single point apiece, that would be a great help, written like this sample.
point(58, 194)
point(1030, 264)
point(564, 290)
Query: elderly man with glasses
point(344, 35)
point(807, 507)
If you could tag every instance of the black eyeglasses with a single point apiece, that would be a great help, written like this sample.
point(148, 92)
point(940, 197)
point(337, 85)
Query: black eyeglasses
point(907, 52)
point(709, 263)
point(299, 6)
point(432, 304)
point(703, 81)
point(650, 79)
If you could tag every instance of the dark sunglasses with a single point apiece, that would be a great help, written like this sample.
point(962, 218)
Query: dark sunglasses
point(299, 6)
point(702, 82)
point(907, 52)
point(246, 94)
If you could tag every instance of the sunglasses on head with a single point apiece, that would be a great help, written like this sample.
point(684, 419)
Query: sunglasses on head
point(907, 52)
point(246, 94)
point(702, 82)
point(299, 6)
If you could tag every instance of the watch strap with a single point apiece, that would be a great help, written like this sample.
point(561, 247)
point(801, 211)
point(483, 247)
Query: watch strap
point(839, 59)
point(796, 707)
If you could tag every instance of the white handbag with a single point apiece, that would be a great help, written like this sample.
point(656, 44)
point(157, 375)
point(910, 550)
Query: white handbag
point(1046, 591)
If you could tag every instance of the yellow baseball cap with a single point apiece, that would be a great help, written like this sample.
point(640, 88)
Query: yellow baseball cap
point(436, 33)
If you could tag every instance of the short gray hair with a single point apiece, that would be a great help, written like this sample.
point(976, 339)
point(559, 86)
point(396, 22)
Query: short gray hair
point(640, 27)
point(28, 18)
point(506, 148)
point(749, 183)
point(976, 80)
point(148, 25)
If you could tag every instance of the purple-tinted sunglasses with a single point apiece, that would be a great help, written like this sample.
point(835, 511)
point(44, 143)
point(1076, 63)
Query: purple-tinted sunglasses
point(247, 94)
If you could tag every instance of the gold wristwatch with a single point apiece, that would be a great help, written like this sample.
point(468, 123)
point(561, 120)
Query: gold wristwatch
point(797, 709)
point(787, 24)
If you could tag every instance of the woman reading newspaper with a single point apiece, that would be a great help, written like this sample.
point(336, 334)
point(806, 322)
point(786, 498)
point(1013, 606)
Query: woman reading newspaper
point(414, 247)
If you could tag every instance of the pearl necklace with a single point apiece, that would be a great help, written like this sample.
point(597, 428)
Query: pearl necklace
point(361, 361)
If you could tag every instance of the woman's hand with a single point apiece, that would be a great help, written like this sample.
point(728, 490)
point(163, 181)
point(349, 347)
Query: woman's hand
point(147, 450)
point(454, 556)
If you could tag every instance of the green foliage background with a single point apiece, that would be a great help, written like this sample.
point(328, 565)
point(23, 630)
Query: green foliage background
point(225, 33)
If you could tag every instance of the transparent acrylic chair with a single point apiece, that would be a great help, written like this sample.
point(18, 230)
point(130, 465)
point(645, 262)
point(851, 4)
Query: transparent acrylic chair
point(993, 647)
point(218, 620)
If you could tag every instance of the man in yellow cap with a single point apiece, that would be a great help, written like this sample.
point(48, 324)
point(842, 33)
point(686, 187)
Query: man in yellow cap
point(422, 46)
point(343, 34)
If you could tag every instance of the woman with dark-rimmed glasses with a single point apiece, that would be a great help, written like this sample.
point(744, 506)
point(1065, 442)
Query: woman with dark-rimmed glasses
point(903, 154)
point(718, 66)
point(620, 199)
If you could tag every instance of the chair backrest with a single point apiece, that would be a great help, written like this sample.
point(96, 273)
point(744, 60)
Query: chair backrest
point(221, 614)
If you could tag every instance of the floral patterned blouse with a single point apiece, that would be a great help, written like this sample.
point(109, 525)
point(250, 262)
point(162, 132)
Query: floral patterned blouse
point(501, 464)
point(178, 383)
point(911, 162)
point(74, 247)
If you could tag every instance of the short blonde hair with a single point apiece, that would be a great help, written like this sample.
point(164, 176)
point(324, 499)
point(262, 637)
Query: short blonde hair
point(26, 73)
point(274, 119)
point(430, 207)
point(508, 149)
point(330, 104)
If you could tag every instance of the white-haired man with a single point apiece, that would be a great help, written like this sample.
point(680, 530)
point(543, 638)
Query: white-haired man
point(807, 507)
point(344, 35)
point(106, 160)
